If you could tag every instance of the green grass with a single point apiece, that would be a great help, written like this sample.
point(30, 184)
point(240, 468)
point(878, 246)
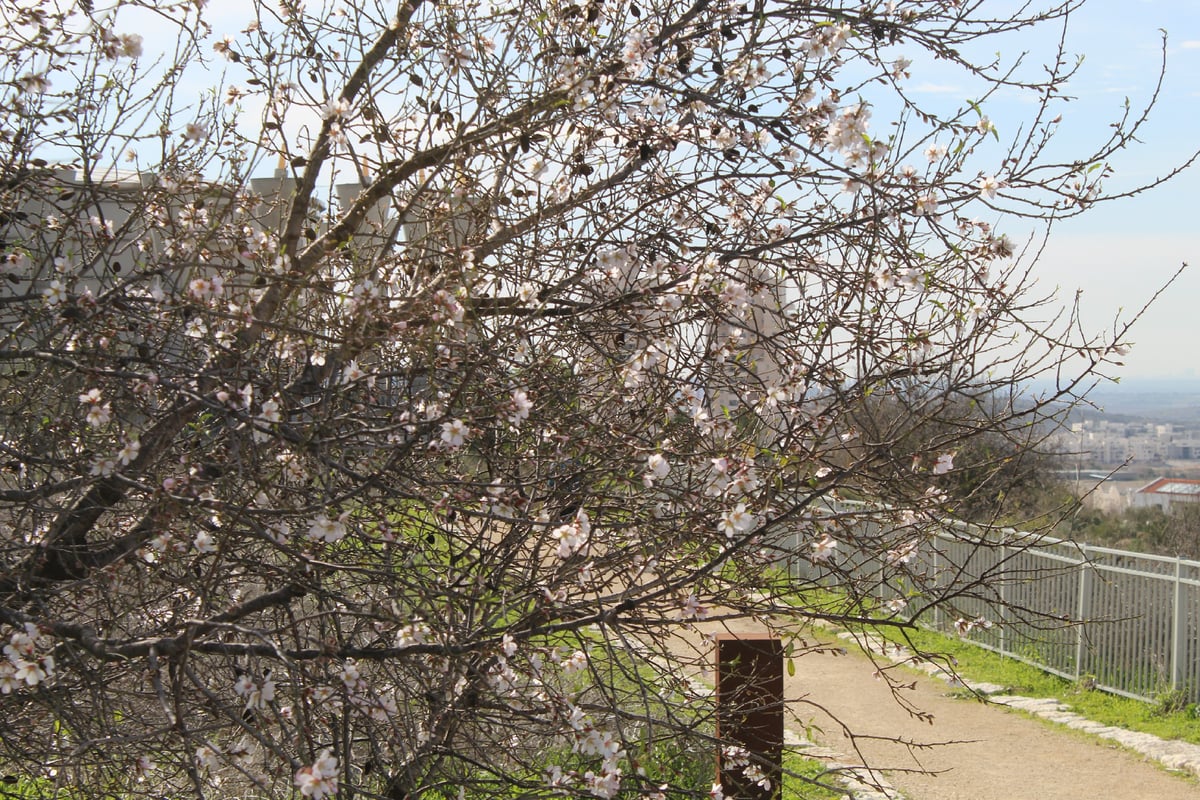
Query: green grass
point(797, 789)
point(25, 788)
point(978, 664)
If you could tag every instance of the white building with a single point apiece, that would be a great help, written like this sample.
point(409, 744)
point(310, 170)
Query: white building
point(1165, 492)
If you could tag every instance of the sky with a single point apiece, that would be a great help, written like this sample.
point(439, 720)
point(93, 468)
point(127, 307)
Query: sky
point(1120, 254)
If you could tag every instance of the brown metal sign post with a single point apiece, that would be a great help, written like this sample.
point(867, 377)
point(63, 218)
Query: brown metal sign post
point(750, 715)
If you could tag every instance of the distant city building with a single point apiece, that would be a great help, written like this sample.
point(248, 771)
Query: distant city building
point(1099, 442)
point(1165, 492)
point(1184, 451)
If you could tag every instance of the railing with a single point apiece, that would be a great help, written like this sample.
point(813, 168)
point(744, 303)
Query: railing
point(1127, 623)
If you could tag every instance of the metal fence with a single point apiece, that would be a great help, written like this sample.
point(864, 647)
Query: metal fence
point(1127, 623)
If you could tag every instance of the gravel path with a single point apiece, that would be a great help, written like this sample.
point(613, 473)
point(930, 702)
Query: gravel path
point(979, 751)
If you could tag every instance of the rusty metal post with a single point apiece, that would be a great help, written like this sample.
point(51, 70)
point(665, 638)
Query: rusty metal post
point(750, 712)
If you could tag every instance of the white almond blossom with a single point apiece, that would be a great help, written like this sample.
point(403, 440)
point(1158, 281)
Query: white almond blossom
point(521, 406)
point(657, 468)
point(736, 521)
point(204, 543)
point(944, 463)
point(823, 548)
point(129, 452)
point(324, 528)
point(320, 779)
point(454, 433)
point(55, 293)
point(414, 633)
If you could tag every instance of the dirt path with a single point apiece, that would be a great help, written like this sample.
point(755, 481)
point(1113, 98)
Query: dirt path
point(996, 754)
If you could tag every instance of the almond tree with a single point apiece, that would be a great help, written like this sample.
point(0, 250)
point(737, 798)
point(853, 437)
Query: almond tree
point(386, 384)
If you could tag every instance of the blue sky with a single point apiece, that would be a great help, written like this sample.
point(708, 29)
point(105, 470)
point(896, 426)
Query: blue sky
point(1121, 253)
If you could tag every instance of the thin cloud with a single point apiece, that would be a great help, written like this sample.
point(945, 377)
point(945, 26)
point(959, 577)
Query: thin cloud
point(1190, 44)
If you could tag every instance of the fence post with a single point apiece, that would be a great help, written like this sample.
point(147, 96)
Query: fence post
point(1178, 629)
point(1003, 600)
point(1084, 608)
point(937, 582)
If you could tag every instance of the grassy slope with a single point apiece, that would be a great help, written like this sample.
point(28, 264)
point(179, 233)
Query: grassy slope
point(975, 663)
